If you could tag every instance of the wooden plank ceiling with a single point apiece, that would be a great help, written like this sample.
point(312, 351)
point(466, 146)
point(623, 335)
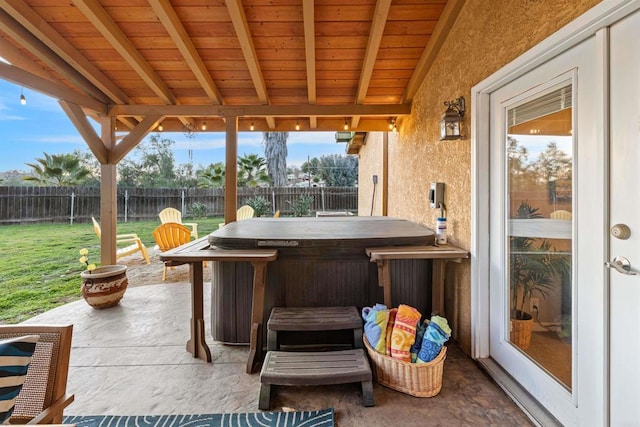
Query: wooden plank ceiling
point(275, 64)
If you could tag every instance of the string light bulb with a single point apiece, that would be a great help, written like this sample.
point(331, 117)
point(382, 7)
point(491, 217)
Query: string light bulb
point(160, 128)
point(297, 125)
point(252, 127)
point(204, 126)
point(391, 124)
point(346, 125)
point(23, 99)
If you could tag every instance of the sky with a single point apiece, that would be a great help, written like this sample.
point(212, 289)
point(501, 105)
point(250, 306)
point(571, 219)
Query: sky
point(40, 126)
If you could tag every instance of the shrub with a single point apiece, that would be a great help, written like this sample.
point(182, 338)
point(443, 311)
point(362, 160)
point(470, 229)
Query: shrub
point(198, 210)
point(302, 206)
point(259, 204)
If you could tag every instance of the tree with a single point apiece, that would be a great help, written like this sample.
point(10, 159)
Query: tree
point(553, 164)
point(212, 176)
point(252, 170)
point(335, 170)
point(89, 161)
point(275, 150)
point(61, 170)
point(151, 164)
point(157, 162)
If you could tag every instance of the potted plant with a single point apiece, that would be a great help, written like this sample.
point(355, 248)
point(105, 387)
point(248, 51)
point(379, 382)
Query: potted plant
point(102, 287)
point(534, 264)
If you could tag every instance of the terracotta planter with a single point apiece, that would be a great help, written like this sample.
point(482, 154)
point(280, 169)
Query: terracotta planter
point(521, 331)
point(104, 287)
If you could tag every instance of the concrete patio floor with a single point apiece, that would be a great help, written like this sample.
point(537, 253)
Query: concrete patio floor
point(131, 360)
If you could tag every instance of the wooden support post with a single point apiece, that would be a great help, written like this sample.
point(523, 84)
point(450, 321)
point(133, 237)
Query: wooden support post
point(257, 313)
point(231, 170)
point(108, 198)
point(197, 344)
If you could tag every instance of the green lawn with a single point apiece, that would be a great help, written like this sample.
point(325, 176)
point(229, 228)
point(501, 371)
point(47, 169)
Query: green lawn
point(39, 267)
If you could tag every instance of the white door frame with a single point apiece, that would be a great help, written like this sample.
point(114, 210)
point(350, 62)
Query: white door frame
point(585, 26)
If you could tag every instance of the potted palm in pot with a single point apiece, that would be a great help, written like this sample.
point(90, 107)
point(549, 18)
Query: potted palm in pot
point(534, 265)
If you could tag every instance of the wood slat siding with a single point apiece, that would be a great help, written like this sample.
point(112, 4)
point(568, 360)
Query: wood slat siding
point(353, 281)
point(53, 204)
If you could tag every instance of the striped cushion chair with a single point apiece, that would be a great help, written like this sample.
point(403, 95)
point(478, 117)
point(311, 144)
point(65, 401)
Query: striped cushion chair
point(44, 393)
point(15, 356)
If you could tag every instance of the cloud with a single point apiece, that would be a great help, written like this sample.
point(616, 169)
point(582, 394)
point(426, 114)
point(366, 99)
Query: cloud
point(311, 138)
point(57, 139)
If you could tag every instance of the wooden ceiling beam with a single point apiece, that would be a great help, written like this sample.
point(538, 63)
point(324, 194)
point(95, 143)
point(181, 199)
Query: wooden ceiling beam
point(180, 37)
point(308, 14)
point(20, 60)
point(56, 90)
point(132, 139)
point(239, 20)
point(283, 124)
point(30, 20)
point(439, 35)
point(79, 120)
point(380, 16)
point(39, 49)
point(99, 17)
point(304, 110)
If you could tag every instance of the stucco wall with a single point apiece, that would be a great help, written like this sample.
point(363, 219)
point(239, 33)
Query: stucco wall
point(371, 162)
point(485, 37)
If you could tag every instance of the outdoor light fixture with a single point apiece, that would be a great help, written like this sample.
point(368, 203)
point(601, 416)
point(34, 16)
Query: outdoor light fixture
point(346, 125)
point(160, 128)
point(451, 123)
point(392, 124)
point(204, 126)
point(252, 127)
point(23, 99)
point(297, 125)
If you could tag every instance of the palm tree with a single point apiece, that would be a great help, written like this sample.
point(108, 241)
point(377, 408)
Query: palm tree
point(275, 150)
point(212, 176)
point(61, 170)
point(252, 170)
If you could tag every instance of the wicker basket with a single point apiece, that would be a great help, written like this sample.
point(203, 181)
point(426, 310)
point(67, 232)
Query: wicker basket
point(416, 379)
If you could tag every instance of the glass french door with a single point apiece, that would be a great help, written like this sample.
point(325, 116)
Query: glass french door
point(544, 167)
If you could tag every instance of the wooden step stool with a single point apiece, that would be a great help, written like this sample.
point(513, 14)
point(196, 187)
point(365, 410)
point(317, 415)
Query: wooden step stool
point(315, 368)
point(313, 319)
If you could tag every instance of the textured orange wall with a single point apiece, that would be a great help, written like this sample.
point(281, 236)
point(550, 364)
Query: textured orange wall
point(485, 37)
point(370, 163)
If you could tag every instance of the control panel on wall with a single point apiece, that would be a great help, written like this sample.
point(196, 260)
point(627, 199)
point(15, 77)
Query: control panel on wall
point(436, 195)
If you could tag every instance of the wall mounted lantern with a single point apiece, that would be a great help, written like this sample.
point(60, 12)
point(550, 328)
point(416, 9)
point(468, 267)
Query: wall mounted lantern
point(451, 123)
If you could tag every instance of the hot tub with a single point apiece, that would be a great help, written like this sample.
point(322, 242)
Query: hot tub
point(321, 262)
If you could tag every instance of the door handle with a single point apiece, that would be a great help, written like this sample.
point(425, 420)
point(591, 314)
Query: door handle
point(621, 265)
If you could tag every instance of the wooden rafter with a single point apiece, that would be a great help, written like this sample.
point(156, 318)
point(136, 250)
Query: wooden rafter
point(79, 120)
point(18, 59)
point(46, 55)
point(308, 14)
point(373, 44)
point(56, 90)
point(176, 30)
point(29, 19)
point(439, 35)
point(241, 27)
point(110, 30)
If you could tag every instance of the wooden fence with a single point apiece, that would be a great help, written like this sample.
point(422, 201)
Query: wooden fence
point(79, 204)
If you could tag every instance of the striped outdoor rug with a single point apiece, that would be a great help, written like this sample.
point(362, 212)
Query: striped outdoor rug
point(323, 418)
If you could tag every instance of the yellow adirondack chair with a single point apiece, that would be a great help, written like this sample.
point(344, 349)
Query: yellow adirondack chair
point(135, 245)
point(244, 212)
point(560, 214)
point(174, 215)
point(168, 236)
